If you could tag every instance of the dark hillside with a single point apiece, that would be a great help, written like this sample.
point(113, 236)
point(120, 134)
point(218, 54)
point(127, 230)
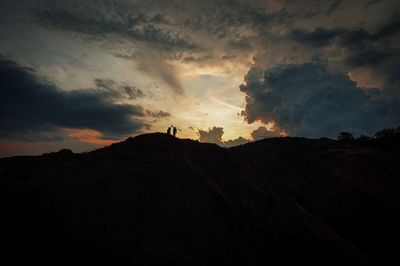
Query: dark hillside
point(351, 187)
point(158, 200)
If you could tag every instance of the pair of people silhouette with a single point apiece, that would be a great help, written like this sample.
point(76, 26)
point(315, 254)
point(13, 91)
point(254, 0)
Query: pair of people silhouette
point(174, 130)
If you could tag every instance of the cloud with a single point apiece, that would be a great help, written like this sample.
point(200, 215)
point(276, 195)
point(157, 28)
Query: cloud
point(133, 92)
point(214, 135)
point(110, 88)
point(235, 142)
point(306, 85)
point(360, 47)
point(334, 6)
point(29, 104)
point(263, 132)
point(192, 59)
point(159, 35)
point(154, 65)
point(124, 30)
point(356, 47)
point(87, 136)
point(312, 100)
point(164, 38)
point(158, 114)
point(122, 19)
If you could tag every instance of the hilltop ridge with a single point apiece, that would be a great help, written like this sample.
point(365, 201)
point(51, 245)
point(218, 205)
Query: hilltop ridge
point(155, 199)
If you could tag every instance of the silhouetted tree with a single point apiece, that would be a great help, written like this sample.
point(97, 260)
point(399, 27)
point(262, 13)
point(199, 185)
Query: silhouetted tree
point(364, 138)
point(388, 133)
point(345, 136)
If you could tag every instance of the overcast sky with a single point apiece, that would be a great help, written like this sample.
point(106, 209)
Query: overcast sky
point(84, 74)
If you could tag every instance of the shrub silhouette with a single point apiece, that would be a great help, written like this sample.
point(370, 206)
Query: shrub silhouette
point(364, 138)
point(388, 133)
point(345, 136)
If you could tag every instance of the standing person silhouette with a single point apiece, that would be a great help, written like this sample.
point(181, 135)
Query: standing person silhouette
point(174, 131)
point(169, 131)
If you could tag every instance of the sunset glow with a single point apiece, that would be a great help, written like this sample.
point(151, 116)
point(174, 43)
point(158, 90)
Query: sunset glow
point(98, 73)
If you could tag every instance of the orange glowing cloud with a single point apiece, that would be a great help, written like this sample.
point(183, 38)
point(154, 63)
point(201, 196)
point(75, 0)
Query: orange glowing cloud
point(88, 136)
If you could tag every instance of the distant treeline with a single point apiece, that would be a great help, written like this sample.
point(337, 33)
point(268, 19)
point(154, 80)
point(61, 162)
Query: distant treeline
point(387, 133)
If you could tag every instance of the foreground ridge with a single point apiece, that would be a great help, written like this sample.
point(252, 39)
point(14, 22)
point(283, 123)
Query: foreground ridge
point(157, 199)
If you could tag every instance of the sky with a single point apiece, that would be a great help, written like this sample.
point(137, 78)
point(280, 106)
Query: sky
point(84, 74)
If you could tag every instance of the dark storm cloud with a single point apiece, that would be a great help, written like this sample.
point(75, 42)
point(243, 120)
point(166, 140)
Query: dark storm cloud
point(369, 57)
point(391, 28)
point(319, 37)
point(315, 97)
point(311, 100)
point(376, 51)
point(344, 37)
point(30, 105)
point(355, 36)
point(361, 48)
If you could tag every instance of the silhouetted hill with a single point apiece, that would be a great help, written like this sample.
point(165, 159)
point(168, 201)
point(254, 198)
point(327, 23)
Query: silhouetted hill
point(159, 200)
point(352, 188)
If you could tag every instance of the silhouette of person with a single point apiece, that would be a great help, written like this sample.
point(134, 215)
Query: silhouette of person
point(174, 131)
point(169, 131)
